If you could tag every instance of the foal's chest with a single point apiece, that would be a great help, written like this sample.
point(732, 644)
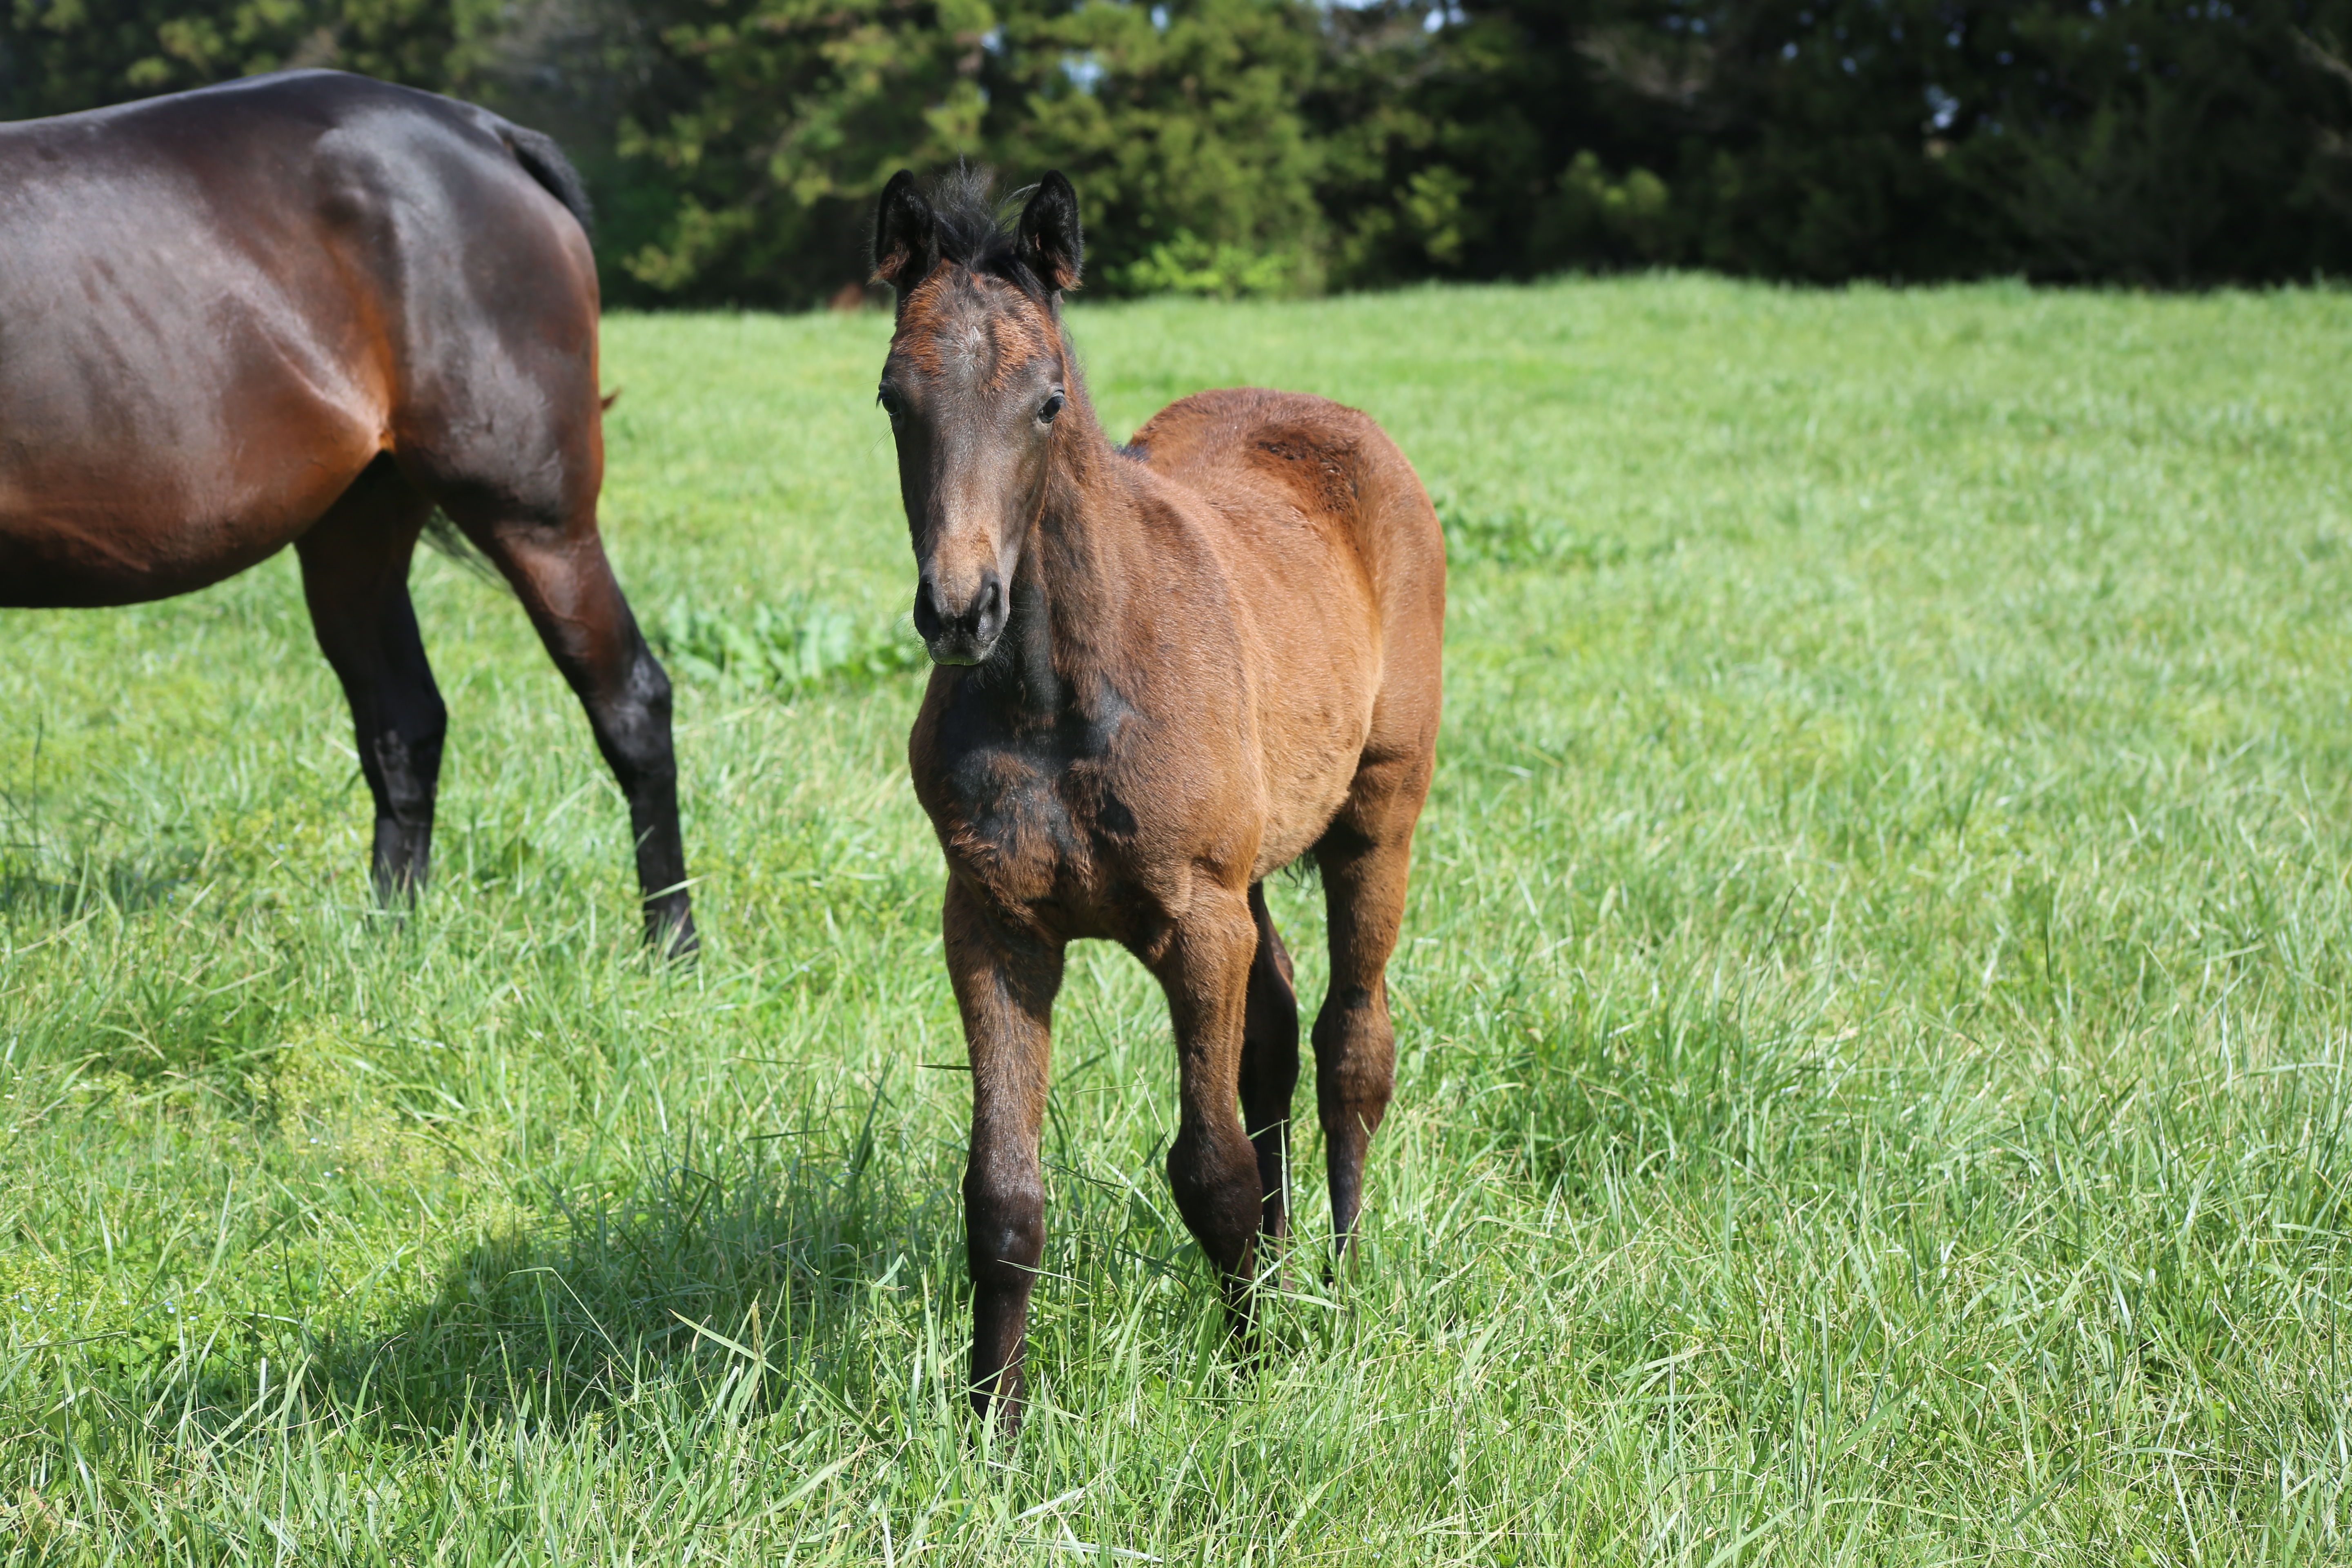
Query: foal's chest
point(1032, 819)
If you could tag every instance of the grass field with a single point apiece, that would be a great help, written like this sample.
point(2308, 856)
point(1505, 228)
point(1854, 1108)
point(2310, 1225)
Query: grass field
point(1873, 1014)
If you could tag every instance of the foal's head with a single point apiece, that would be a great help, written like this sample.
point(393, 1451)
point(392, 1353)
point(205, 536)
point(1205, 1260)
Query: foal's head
point(977, 375)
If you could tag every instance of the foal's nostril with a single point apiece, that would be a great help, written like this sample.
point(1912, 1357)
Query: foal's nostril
point(928, 622)
point(988, 613)
point(960, 633)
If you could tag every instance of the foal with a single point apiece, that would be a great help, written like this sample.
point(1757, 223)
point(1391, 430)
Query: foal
point(1164, 670)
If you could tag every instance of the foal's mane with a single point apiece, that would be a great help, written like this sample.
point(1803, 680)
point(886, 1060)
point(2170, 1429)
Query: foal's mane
point(978, 232)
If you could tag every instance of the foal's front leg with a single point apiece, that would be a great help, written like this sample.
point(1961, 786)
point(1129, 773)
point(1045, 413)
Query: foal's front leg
point(1005, 987)
point(1212, 1166)
point(1270, 1069)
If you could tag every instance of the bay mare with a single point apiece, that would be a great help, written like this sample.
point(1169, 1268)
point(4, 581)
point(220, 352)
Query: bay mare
point(1164, 672)
point(308, 308)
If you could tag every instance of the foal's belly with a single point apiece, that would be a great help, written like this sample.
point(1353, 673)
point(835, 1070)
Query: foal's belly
point(1300, 808)
point(1091, 849)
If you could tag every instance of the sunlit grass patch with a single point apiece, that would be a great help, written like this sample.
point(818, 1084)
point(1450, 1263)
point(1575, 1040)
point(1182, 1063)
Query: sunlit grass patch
point(1873, 1015)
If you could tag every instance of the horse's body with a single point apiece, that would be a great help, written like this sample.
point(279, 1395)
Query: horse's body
point(1164, 673)
point(306, 309)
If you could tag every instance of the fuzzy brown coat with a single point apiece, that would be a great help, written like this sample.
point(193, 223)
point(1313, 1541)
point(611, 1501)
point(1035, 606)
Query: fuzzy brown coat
point(1164, 671)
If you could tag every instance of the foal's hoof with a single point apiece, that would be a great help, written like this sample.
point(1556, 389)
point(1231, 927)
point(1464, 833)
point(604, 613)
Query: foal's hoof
point(672, 935)
point(1000, 1409)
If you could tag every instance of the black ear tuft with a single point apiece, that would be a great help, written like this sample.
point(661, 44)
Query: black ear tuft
point(906, 235)
point(1050, 242)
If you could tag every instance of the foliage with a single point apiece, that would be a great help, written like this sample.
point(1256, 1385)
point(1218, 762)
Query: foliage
point(2161, 142)
point(2170, 143)
point(1181, 123)
point(799, 645)
point(779, 121)
point(59, 55)
point(1255, 147)
point(773, 125)
point(1873, 1005)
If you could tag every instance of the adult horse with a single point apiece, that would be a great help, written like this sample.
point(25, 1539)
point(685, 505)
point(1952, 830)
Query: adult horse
point(1164, 671)
point(307, 309)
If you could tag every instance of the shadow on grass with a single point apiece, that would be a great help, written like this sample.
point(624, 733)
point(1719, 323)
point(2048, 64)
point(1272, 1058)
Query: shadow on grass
point(730, 1279)
point(771, 1261)
point(48, 887)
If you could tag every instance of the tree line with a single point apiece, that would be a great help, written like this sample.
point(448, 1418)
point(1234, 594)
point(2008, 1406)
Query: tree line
point(735, 147)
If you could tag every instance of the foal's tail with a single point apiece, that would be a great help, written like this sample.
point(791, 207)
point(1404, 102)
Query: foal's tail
point(543, 161)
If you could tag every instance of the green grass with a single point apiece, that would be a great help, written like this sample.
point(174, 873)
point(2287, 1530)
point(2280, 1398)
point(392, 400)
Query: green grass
point(1872, 1012)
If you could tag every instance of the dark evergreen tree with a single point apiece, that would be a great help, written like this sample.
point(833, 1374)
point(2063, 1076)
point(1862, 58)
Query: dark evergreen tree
point(1232, 146)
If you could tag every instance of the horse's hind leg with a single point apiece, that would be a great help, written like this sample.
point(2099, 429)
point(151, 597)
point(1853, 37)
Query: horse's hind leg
point(566, 585)
point(355, 577)
point(1269, 1065)
point(1364, 858)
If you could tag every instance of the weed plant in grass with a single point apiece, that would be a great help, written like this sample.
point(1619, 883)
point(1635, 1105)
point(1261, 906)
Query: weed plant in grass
point(1872, 1011)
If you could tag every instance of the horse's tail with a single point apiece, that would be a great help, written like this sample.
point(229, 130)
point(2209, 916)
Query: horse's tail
point(543, 161)
point(449, 541)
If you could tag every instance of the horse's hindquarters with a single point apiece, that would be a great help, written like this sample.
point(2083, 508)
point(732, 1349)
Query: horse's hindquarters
point(217, 308)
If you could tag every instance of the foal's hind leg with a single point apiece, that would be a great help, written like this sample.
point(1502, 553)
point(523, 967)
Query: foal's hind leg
point(1364, 858)
point(1270, 1066)
point(1204, 968)
point(355, 577)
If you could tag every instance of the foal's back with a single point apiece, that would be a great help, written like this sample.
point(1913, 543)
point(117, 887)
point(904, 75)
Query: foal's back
point(1302, 482)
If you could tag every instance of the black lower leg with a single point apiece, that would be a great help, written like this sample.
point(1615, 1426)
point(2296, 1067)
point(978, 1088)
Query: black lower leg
point(1270, 1068)
point(355, 578)
point(644, 761)
point(1215, 1182)
point(1355, 1072)
point(566, 584)
point(1005, 1241)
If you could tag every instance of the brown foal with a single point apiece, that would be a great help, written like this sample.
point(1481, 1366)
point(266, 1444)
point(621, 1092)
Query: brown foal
point(1164, 670)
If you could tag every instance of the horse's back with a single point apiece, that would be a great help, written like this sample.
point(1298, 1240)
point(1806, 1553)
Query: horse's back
point(1329, 533)
point(217, 307)
point(1251, 450)
point(1332, 463)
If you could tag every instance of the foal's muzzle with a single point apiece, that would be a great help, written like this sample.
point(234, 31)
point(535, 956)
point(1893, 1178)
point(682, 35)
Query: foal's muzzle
point(960, 635)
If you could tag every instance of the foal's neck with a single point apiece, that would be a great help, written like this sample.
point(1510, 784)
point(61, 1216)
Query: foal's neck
point(1070, 591)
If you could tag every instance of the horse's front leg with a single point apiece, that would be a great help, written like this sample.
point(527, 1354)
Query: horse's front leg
point(1204, 968)
point(1005, 987)
point(355, 578)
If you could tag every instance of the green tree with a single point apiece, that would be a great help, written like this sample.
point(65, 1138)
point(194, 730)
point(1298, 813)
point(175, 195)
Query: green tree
point(1180, 124)
point(59, 55)
point(1239, 146)
point(765, 130)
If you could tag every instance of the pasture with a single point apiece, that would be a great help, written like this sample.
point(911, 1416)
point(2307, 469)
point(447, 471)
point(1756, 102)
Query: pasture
point(1873, 1014)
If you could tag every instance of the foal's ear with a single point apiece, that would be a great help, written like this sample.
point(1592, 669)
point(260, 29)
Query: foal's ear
point(906, 235)
point(1049, 237)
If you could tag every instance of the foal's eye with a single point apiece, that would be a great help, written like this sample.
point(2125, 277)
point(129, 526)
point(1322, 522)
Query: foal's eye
point(1052, 407)
point(892, 404)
